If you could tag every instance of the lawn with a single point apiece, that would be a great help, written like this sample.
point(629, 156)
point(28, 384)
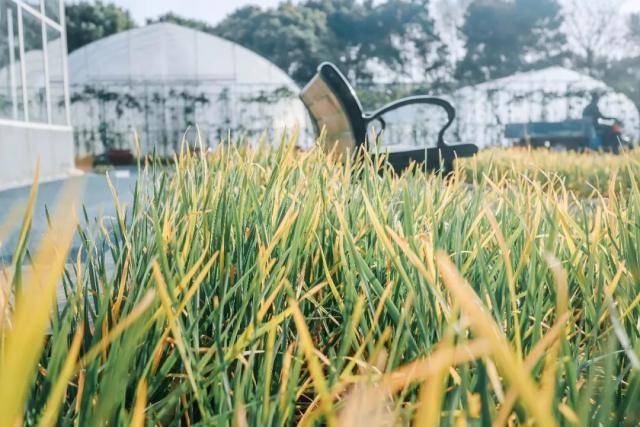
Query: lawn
point(272, 287)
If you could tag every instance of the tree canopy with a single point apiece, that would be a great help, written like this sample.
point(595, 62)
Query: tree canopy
point(503, 37)
point(392, 36)
point(90, 21)
point(400, 41)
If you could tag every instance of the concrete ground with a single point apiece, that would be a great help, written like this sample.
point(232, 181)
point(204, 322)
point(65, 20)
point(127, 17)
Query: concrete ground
point(95, 195)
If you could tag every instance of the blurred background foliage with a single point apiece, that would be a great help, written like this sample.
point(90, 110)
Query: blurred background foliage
point(437, 45)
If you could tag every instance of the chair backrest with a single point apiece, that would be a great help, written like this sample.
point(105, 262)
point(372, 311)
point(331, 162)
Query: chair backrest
point(334, 107)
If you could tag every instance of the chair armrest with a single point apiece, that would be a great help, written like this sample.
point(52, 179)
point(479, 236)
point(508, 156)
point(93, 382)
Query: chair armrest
point(446, 105)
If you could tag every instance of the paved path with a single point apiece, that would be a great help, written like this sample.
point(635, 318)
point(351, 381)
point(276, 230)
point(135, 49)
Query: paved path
point(96, 197)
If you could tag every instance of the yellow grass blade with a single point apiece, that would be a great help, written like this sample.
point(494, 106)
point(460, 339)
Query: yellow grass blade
point(422, 370)
point(28, 216)
point(530, 362)
point(266, 397)
point(368, 405)
point(165, 299)
point(52, 408)
point(117, 330)
point(115, 311)
point(506, 254)
point(25, 341)
point(315, 368)
point(483, 325)
point(431, 397)
point(196, 283)
point(419, 265)
point(548, 380)
point(137, 419)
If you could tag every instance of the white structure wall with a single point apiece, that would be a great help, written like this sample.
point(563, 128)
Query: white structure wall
point(549, 95)
point(162, 79)
point(35, 123)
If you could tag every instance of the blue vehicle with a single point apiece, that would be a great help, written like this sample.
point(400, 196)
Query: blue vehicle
point(579, 135)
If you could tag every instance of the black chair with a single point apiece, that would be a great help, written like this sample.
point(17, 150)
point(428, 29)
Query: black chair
point(336, 110)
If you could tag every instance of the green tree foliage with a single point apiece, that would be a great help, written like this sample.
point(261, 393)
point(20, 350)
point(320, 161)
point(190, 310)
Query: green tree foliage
point(174, 18)
point(90, 21)
point(397, 35)
point(296, 38)
point(398, 39)
point(503, 37)
point(624, 74)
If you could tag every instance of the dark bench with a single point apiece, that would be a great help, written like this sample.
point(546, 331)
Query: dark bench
point(337, 112)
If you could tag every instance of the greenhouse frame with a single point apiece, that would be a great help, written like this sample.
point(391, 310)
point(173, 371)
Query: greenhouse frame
point(35, 122)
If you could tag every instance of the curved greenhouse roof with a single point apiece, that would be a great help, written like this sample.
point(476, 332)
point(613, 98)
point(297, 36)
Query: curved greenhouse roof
point(547, 78)
point(163, 79)
point(550, 94)
point(167, 52)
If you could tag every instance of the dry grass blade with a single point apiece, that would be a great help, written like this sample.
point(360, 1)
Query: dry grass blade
point(548, 381)
point(315, 367)
point(422, 370)
point(510, 365)
point(138, 418)
point(163, 292)
point(369, 404)
point(25, 340)
point(431, 397)
point(530, 361)
point(293, 288)
point(117, 330)
point(56, 396)
point(511, 280)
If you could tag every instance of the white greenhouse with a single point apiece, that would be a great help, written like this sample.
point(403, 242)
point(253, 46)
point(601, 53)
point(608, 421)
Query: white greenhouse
point(163, 79)
point(483, 111)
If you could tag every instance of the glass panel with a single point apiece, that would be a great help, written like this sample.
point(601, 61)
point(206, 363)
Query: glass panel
point(10, 77)
point(55, 56)
point(52, 9)
point(33, 3)
point(34, 61)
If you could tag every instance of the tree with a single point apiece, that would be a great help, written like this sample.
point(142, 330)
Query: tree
point(624, 74)
point(634, 28)
point(87, 22)
point(173, 18)
point(295, 38)
point(504, 37)
point(596, 32)
point(449, 16)
point(394, 39)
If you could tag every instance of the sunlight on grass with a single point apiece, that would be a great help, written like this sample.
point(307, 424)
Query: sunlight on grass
point(272, 287)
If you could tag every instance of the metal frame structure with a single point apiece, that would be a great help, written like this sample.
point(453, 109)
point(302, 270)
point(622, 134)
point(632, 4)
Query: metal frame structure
point(46, 23)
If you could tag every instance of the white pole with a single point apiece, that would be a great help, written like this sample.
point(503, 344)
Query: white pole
point(45, 52)
point(12, 63)
point(65, 65)
point(23, 67)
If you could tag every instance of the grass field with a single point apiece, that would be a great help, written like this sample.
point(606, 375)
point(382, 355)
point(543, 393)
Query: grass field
point(581, 173)
point(262, 287)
